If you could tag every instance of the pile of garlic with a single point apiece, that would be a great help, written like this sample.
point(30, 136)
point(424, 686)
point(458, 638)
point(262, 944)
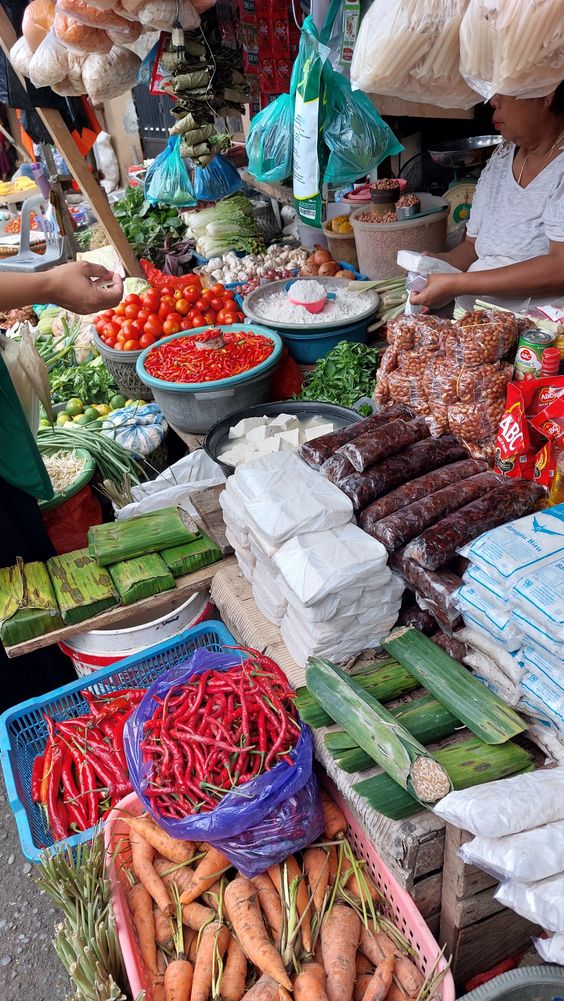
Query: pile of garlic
point(229, 268)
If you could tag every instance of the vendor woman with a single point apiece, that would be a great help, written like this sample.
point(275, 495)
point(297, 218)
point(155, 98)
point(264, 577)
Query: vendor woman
point(81, 288)
point(513, 250)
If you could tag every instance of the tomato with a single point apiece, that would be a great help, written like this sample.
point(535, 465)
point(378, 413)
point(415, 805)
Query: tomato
point(116, 324)
point(110, 341)
point(100, 324)
point(153, 326)
point(128, 329)
point(182, 306)
point(120, 310)
point(197, 319)
point(108, 330)
point(132, 299)
point(136, 328)
point(186, 323)
point(178, 293)
point(166, 291)
point(218, 289)
point(202, 304)
point(164, 310)
point(216, 303)
point(131, 311)
point(118, 346)
point(169, 300)
point(210, 317)
point(229, 293)
point(122, 338)
point(106, 314)
point(143, 315)
point(146, 340)
point(171, 327)
point(207, 294)
point(151, 301)
point(191, 295)
point(131, 345)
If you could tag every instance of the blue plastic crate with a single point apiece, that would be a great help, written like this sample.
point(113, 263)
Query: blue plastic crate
point(23, 731)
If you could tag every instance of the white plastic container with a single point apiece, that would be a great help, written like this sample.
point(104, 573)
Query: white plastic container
point(99, 648)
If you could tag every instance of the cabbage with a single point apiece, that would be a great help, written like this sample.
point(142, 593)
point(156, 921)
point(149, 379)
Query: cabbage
point(45, 324)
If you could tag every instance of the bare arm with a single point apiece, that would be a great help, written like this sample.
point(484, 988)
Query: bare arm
point(70, 286)
point(460, 257)
point(540, 276)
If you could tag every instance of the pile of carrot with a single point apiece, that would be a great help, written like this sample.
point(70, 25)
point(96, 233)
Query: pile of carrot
point(314, 928)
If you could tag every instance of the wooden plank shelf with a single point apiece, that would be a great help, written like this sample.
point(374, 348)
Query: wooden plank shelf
point(157, 604)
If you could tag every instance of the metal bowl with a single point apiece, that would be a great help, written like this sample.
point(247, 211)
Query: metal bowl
point(251, 306)
point(464, 152)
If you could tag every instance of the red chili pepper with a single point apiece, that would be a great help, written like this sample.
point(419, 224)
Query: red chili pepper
point(182, 361)
point(37, 772)
point(71, 796)
point(55, 808)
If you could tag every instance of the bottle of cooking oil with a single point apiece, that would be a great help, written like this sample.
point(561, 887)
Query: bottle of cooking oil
point(556, 494)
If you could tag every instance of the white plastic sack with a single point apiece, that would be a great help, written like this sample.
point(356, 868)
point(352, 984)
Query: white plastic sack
point(540, 596)
point(50, 62)
point(385, 586)
point(512, 47)
point(107, 162)
point(410, 49)
point(476, 607)
point(548, 740)
point(508, 663)
point(527, 857)
point(543, 697)
point(172, 487)
point(486, 671)
point(246, 562)
point(506, 806)
point(482, 581)
point(551, 949)
point(345, 628)
point(340, 650)
point(535, 635)
point(285, 497)
point(542, 903)
point(268, 601)
point(514, 550)
point(316, 563)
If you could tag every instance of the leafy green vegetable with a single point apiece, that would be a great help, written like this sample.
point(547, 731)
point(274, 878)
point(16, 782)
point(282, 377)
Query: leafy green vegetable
point(229, 225)
point(346, 374)
point(90, 381)
point(147, 227)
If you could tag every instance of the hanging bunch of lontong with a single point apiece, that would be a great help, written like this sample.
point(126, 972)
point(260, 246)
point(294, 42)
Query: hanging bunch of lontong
point(315, 925)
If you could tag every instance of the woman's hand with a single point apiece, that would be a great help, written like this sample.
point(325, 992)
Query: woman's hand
point(82, 287)
point(439, 291)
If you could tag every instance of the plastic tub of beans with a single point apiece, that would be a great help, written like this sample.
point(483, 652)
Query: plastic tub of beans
point(378, 242)
point(341, 246)
point(190, 383)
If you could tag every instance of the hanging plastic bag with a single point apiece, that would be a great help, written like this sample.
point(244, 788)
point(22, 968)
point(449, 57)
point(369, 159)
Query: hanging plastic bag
point(28, 373)
point(309, 152)
point(263, 821)
point(512, 47)
point(271, 139)
point(411, 49)
point(67, 525)
point(357, 137)
point(167, 181)
point(216, 181)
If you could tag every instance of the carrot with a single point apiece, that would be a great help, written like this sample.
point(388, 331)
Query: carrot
point(195, 915)
point(309, 985)
point(211, 897)
point(364, 972)
point(381, 981)
point(333, 818)
point(407, 975)
point(333, 864)
point(294, 872)
point(395, 993)
point(163, 929)
point(178, 980)
point(157, 985)
point(316, 865)
point(340, 934)
point(188, 936)
point(212, 865)
point(366, 886)
point(142, 855)
point(270, 904)
point(171, 848)
point(243, 910)
point(193, 949)
point(318, 951)
point(212, 935)
point(234, 974)
point(265, 989)
point(182, 877)
point(141, 907)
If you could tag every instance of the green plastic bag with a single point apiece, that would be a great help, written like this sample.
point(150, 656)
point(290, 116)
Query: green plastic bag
point(167, 181)
point(357, 137)
point(270, 141)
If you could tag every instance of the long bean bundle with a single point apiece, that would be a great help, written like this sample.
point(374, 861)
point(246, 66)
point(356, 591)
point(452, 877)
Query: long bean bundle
point(113, 461)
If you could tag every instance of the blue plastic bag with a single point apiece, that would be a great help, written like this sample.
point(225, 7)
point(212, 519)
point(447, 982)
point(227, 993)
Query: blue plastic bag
point(261, 822)
point(270, 141)
point(357, 138)
point(167, 181)
point(216, 181)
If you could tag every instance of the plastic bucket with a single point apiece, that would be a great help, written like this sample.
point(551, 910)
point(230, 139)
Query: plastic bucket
point(99, 648)
point(377, 244)
point(307, 346)
point(342, 246)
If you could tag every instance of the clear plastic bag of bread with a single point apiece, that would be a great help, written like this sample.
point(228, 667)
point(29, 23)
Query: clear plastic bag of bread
point(512, 47)
point(21, 56)
point(50, 62)
point(91, 16)
point(107, 76)
point(37, 22)
point(81, 37)
point(162, 15)
point(411, 48)
point(73, 84)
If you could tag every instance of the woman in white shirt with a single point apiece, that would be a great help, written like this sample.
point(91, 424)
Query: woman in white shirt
point(514, 244)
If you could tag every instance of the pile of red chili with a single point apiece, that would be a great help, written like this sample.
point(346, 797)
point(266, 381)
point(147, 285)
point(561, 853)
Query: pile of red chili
point(82, 772)
point(182, 360)
point(217, 732)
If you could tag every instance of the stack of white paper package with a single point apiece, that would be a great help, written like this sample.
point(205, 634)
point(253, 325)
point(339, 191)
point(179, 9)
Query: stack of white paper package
point(518, 825)
point(512, 602)
point(314, 573)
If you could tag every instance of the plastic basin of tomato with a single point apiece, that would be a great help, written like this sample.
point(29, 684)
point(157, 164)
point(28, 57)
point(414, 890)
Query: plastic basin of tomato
point(140, 321)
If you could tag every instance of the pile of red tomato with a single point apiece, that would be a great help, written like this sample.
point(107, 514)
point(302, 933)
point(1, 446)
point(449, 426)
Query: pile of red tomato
point(141, 320)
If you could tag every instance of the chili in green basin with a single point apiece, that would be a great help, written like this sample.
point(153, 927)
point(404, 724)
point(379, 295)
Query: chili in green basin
point(208, 356)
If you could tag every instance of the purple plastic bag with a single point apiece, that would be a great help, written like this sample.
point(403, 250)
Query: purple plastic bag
point(263, 821)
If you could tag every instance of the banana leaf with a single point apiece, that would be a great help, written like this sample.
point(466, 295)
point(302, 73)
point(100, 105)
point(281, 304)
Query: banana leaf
point(141, 578)
point(81, 587)
point(149, 533)
point(28, 607)
point(192, 556)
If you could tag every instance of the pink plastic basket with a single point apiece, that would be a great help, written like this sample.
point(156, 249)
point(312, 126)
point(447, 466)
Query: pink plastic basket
point(402, 909)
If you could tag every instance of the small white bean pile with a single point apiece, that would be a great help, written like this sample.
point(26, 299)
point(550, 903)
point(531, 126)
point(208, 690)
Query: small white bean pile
point(230, 268)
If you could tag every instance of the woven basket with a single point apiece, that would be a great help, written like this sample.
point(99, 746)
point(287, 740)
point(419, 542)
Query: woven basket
point(121, 365)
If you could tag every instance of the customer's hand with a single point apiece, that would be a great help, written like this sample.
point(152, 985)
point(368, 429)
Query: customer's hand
point(82, 287)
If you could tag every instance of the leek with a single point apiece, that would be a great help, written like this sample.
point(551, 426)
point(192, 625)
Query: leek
point(377, 731)
point(469, 763)
point(478, 708)
point(384, 680)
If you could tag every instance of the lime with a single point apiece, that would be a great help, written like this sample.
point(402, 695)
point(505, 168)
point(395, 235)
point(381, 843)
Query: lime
point(74, 407)
point(103, 409)
point(81, 420)
point(44, 423)
point(91, 414)
point(62, 419)
point(117, 402)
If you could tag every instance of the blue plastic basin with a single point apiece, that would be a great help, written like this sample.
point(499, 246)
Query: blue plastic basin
point(307, 347)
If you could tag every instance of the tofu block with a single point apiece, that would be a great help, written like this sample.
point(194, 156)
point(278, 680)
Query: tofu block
point(269, 446)
point(258, 434)
point(285, 445)
point(285, 422)
point(293, 437)
point(241, 429)
point(317, 431)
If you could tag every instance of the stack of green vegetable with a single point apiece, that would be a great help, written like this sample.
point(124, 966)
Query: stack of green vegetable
point(345, 375)
point(394, 737)
point(149, 229)
point(113, 461)
point(229, 225)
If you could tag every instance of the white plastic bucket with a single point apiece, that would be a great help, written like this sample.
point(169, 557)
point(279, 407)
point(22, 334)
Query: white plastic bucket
point(99, 648)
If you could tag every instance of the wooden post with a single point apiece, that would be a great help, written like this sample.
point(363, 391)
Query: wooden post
point(55, 125)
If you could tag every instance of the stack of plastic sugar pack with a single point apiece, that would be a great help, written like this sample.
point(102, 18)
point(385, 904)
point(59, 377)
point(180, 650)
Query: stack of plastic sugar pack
point(314, 573)
point(518, 825)
point(512, 603)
